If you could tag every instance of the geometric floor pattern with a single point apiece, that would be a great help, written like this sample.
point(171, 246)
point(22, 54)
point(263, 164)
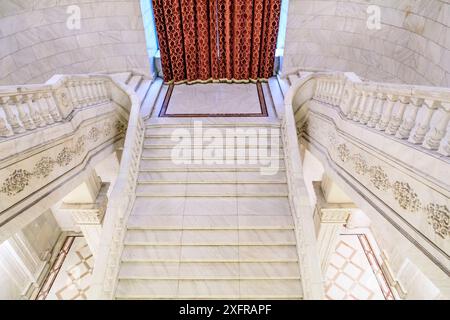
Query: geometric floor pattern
point(354, 272)
point(70, 276)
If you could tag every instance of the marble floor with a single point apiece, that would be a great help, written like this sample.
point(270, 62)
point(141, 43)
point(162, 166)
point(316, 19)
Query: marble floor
point(354, 272)
point(214, 99)
point(71, 273)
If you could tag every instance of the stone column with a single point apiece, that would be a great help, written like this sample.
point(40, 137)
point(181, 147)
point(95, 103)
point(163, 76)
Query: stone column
point(87, 205)
point(21, 262)
point(329, 219)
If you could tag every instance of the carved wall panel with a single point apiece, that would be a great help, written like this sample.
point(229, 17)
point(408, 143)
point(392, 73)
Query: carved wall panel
point(22, 178)
point(416, 200)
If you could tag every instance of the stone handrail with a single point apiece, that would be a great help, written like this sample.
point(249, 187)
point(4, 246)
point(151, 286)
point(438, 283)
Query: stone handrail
point(388, 145)
point(28, 107)
point(417, 114)
point(302, 211)
point(121, 201)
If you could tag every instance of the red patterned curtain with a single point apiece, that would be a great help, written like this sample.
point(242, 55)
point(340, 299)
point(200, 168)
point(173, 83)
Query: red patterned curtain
point(217, 39)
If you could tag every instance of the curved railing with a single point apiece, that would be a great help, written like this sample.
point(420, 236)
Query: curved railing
point(121, 201)
point(369, 133)
point(417, 114)
point(29, 107)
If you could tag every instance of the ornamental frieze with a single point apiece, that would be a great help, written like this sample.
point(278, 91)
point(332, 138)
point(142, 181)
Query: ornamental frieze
point(436, 214)
point(402, 192)
point(19, 179)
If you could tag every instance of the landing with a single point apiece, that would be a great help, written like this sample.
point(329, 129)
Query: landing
point(250, 101)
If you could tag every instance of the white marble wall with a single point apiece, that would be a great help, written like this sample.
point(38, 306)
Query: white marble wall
point(412, 46)
point(43, 233)
point(36, 43)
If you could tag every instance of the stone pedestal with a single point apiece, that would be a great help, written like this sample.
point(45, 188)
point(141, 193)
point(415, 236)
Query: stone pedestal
point(21, 262)
point(87, 205)
point(329, 219)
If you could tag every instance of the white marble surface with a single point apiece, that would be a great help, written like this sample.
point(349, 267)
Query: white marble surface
point(350, 275)
point(35, 42)
point(214, 98)
point(73, 279)
point(412, 46)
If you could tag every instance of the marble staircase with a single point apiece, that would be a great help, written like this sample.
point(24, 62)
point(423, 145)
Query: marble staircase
point(203, 231)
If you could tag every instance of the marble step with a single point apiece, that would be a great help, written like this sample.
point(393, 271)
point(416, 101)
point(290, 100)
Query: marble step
point(242, 130)
point(221, 124)
point(210, 253)
point(168, 141)
point(200, 270)
point(210, 237)
point(209, 222)
point(209, 289)
point(208, 177)
point(226, 152)
point(134, 82)
point(211, 121)
point(212, 189)
point(213, 205)
point(276, 164)
point(143, 88)
point(151, 97)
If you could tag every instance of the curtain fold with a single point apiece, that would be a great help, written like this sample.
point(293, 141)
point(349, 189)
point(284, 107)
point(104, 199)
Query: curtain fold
point(203, 40)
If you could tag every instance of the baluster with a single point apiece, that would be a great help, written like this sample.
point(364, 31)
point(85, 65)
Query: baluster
point(104, 88)
point(435, 136)
point(317, 91)
point(52, 108)
point(24, 117)
point(354, 108)
point(361, 106)
point(34, 111)
point(424, 125)
point(43, 107)
point(347, 100)
point(377, 110)
point(410, 120)
point(5, 131)
point(11, 116)
point(80, 94)
point(339, 93)
point(72, 94)
point(330, 92)
point(87, 89)
point(92, 91)
point(100, 92)
point(324, 91)
point(369, 108)
point(445, 146)
point(96, 91)
point(387, 112)
point(397, 119)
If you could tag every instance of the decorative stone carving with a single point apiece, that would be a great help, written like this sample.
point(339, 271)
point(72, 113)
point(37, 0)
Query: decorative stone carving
point(64, 157)
point(120, 127)
point(406, 197)
point(343, 152)
point(43, 167)
point(439, 219)
point(93, 134)
point(20, 178)
point(359, 163)
point(379, 178)
point(16, 182)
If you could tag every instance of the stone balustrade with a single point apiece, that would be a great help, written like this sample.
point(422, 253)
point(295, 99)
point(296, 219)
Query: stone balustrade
point(419, 115)
point(26, 108)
